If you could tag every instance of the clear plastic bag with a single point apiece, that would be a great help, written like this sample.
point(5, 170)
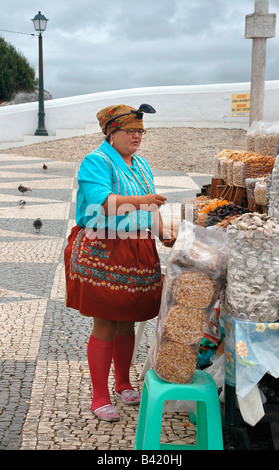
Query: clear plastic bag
point(273, 192)
point(195, 276)
point(217, 370)
point(250, 188)
point(256, 167)
point(224, 169)
point(237, 173)
point(230, 170)
point(217, 165)
point(254, 130)
point(252, 269)
point(260, 193)
point(263, 137)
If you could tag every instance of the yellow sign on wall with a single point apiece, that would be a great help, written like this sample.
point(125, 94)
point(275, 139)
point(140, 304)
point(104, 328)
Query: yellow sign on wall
point(241, 105)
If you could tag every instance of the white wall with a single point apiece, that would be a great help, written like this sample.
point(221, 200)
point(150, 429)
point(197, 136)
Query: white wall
point(184, 106)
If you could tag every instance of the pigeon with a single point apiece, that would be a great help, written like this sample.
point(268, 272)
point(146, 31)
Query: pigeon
point(23, 189)
point(45, 167)
point(22, 203)
point(37, 224)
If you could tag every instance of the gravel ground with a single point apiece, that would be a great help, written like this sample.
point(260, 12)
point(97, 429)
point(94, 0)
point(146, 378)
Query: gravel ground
point(181, 149)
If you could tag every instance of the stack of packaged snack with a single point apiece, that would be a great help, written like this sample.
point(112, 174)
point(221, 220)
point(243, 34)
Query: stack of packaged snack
point(195, 276)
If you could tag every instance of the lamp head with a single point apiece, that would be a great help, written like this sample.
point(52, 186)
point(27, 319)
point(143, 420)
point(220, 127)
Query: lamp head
point(40, 22)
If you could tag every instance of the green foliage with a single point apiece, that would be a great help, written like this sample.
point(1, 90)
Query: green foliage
point(15, 72)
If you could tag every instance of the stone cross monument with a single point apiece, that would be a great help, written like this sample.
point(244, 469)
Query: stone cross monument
point(259, 26)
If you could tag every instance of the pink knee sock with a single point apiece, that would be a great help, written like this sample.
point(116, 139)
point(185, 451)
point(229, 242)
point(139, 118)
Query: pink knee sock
point(99, 355)
point(123, 348)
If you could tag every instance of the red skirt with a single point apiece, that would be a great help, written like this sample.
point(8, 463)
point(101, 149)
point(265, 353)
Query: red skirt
point(117, 279)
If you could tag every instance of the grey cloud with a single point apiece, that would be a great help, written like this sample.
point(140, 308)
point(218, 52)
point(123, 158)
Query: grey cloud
point(92, 46)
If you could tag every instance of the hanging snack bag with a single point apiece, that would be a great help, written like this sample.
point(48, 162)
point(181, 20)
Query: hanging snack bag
point(194, 278)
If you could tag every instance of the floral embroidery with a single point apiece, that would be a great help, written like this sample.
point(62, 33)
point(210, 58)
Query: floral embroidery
point(229, 327)
point(90, 263)
point(229, 358)
point(242, 353)
point(229, 364)
point(96, 248)
point(241, 349)
point(260, 327)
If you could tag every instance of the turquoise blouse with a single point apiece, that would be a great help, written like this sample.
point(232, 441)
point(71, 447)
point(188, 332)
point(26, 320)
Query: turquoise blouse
point(104, 172)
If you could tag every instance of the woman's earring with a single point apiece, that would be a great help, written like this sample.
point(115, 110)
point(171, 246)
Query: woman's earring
point(111, 140)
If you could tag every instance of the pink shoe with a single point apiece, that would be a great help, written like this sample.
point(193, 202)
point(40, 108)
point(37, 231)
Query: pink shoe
point(107, 413)
point(129, 397)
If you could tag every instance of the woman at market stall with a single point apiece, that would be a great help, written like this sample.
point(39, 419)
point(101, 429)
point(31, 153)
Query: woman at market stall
point(112, 265)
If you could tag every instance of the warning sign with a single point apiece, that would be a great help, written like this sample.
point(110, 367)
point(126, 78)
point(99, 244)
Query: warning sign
point(241, 105)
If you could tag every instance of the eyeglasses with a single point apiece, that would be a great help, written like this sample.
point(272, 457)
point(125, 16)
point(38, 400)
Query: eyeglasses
point(134, 131)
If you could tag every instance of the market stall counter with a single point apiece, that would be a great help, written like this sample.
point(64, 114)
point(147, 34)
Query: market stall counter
point(226, 252)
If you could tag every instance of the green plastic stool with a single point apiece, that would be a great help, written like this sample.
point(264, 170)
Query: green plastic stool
point(156, 391)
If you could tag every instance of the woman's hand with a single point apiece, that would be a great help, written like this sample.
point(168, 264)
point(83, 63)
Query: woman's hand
point(115, 204)
point(151, 202)
point(168, 238)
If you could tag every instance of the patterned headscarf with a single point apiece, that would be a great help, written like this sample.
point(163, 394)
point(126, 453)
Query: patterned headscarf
point(121, 116)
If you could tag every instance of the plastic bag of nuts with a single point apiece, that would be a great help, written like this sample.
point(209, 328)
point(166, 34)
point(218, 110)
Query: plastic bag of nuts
point(255, 167)
point(195, 276)
point(262, 137)
point(260, 193)
point(253, 269)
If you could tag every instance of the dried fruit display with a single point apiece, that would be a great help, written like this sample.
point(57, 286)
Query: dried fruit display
point(216, 215)
point(209, 207)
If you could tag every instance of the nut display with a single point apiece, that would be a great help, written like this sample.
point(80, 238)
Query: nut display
point(266, 144)
point(273, 192)
point(184, 327)
point(194, 278)
point(250, 190)
point(193, 289)
point(224, 161)
point(255, 167)
point(260, 193)
point(176, 362)
point(235, 166)
point(201, 257)
point(263, 137)
point(253, 268)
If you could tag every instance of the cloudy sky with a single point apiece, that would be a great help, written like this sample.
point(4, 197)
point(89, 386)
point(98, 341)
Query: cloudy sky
point(92, 45)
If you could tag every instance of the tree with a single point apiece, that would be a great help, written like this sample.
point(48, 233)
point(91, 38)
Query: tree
point(15, 72)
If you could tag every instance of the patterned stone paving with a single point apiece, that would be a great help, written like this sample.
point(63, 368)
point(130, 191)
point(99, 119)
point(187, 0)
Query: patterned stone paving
point(45, 390)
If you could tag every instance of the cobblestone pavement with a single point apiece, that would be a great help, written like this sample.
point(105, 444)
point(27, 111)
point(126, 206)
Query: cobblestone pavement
point(45, 391)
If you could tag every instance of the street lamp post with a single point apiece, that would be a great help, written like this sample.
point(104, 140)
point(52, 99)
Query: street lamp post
point(40, 23)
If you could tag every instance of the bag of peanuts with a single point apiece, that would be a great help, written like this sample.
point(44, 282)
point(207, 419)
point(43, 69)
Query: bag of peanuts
point(194, 278)
point(250, 190)
point(262, 137)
